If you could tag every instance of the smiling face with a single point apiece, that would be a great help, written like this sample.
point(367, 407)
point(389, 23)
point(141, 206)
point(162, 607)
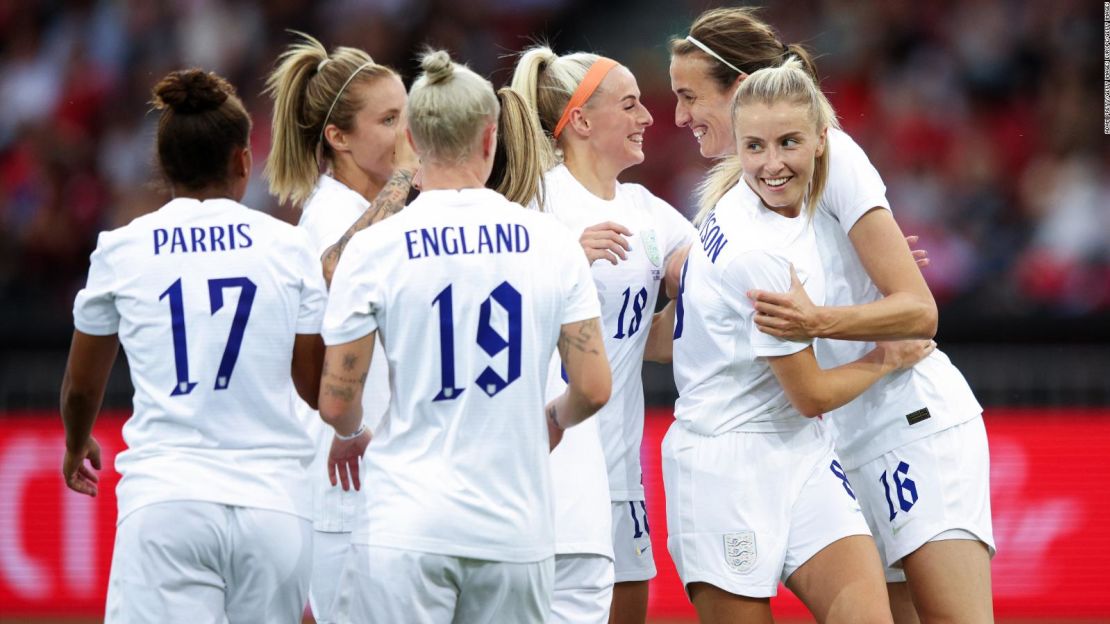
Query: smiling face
point(778, 146)
point(617, 120)
point(703, 106)
point(370, 141)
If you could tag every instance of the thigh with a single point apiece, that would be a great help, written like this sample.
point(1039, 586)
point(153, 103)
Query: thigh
point(951, 580)
point(583, 589)
point(494, 591)
point(329, 554)
point(269, 566)
point(632, 556)
point(388, 585)
point(918, 491)
point(844, 583)
point(901, 603)
point(166, 565)
point(715, 605)
point(825, 511)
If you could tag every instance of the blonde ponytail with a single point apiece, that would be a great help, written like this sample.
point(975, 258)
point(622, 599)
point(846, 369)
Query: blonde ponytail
point(305, 85)
point(523, 153)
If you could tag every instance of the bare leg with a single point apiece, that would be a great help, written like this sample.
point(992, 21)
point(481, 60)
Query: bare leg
point(844, 583)
point(951, 582)
point(901, 603)
point(717, 606)
point(630, 601)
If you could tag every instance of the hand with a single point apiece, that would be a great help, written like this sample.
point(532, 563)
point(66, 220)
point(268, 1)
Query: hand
point(920, 256)
point(790, 315)
point(903, 354)
point(78, 476)
point(343, 459)
point(605, 241)
point(554, 431)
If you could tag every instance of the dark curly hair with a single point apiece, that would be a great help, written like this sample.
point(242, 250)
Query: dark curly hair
point(202, 121)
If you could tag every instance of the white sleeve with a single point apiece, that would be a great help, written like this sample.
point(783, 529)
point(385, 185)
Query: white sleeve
point(763, 271)
point(94, 310)
point(581, 294)
point(355, 296)
point(314, 291)
point(677, 229)
point(854, 186)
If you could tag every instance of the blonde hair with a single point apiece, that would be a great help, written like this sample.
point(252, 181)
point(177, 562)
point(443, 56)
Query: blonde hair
point(522, 152)
point(547, 81)
point(310, 87)
point(786, 83)
point(449, 106)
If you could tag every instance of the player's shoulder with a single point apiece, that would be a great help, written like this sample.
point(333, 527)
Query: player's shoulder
point(844, 152)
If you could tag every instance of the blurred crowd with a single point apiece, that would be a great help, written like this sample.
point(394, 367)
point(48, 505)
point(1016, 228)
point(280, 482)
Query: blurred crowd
point(982, 117)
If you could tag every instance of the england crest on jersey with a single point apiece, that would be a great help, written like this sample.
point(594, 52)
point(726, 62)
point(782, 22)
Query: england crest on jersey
point(740, 550)
point(651, 247)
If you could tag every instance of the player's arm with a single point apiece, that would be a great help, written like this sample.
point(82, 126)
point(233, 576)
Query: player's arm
point(907, 309)
point(344, 376)
point(660, 340)
point(390, 201)
point(814, 391)
point(86, 377)
point(589, 380)
point(308, 362)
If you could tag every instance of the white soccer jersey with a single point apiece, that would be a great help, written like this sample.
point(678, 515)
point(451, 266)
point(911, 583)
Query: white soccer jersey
point(628, 292)
point(327, 214)
point(720, 367)
point(206, 297)
point(903, 406)
point(468, 292)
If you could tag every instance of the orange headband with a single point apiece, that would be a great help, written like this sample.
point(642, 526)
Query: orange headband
point(585, 89)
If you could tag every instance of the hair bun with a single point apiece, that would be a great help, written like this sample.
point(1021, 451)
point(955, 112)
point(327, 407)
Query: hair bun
point(437, 66)
point(191, 91)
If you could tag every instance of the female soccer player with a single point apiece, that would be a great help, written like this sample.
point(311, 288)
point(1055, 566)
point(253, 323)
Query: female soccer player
point(590, 108)
point(755, 494)
point(470, 295)
point(913, 445)
point(344, 110)
point(215, 305)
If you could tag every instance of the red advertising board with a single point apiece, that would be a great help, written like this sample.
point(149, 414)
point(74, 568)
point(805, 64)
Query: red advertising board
point(1050, 495)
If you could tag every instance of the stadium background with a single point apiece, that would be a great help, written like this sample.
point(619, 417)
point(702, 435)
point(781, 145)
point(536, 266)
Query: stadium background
point(981, 116)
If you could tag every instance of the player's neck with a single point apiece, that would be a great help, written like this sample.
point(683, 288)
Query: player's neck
point(591, 172)
point(222, 191)
point(356, 179)
point(436, 177)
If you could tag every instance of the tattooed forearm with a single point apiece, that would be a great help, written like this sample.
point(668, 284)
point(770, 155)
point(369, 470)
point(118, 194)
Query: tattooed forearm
point(579, 336)
point(343, 393)
point(390, 201)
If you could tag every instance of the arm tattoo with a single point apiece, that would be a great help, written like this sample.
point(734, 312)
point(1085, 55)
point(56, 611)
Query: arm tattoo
point(579, 336)
point(349, 361)
point(343, 393)
point(390, 201)
point(553, 416)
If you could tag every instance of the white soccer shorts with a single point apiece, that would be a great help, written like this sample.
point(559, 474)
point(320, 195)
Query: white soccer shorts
point(389, 585)
point(583, 589)
point(329, 554)
point(745, 510)
point(934, 487)
point(633, 559)
point(193, 561)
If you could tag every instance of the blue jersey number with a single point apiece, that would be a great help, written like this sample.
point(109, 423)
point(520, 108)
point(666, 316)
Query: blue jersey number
point(679, 309)
point(838, 472)
point(487, 338)
point(638, 303)
point(905, 488)
point(216, 288)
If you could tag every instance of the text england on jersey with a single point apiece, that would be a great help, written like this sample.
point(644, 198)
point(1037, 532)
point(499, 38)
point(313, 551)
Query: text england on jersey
point(467, 240)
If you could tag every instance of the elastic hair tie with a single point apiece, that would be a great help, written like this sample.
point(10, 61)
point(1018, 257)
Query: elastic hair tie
point(585, 89)
point(338, 94)
point(320, 65)
point(705, 48)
